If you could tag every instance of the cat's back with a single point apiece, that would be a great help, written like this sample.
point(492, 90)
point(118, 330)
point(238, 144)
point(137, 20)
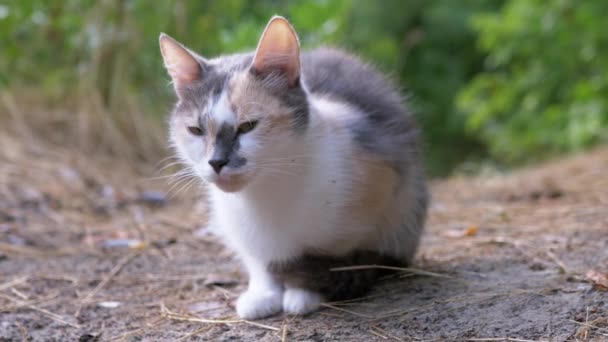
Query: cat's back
point(385, 126)
point(335, 72)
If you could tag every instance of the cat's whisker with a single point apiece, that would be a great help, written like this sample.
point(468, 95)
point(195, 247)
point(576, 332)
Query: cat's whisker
point(181, 172)
point(179, 162)
point(159, 177)
point(181, 181)
point(164, 160)
point(184, 187)
point(181, 177)
point(173, 175)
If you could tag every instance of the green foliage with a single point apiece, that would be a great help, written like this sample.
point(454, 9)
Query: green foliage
point(545, 85)
point(529, 76)
point(429, 47)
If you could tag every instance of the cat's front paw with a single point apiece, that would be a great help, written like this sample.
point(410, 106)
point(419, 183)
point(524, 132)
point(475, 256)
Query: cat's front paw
point(300, 301)
point(256, 304)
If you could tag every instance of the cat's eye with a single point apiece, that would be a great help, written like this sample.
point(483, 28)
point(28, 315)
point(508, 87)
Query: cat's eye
point(247, 127)
point(194, 130)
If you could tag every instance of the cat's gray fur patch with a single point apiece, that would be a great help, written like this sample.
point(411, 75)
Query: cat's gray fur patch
point(217, 72)
point(387, 129)
point(313, 271)
point(226, 146)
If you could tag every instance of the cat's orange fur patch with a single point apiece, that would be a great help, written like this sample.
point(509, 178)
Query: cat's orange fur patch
point(248, 98)
point(377, 181)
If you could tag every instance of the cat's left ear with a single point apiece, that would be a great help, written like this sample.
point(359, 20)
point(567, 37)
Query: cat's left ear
point(182, 65)
point(278, 51)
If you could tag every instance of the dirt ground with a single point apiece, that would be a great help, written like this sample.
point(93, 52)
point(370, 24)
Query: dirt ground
point(92, 249)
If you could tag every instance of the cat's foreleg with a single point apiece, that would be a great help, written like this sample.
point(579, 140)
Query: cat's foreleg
point(264, 295)
point(300, 301)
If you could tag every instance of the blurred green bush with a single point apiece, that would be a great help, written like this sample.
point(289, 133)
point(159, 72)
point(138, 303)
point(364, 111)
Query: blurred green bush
point(544, 89)
point(488, 79)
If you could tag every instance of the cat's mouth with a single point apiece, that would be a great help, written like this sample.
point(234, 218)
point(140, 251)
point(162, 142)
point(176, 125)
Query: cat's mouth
point(229, 182)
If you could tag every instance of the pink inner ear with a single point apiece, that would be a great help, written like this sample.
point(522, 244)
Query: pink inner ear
point(279, 50)
point(181, 65)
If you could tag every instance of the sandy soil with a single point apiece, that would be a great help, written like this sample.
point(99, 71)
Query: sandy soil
point(510, 257)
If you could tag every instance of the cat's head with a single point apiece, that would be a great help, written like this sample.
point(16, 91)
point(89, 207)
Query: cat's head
point(238, 117)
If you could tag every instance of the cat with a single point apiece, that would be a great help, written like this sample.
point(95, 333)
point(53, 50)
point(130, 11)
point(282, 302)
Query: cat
point(312, 162)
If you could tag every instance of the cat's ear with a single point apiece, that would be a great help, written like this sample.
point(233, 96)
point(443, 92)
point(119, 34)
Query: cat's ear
point(181, 64)
point(278, 51)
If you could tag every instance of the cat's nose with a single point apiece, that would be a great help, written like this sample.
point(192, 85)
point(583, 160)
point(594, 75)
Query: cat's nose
point(218, 164)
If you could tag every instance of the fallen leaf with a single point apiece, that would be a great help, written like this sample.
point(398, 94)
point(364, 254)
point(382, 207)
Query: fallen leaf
point(460, 233)
point(600, 280)
point(471, 231)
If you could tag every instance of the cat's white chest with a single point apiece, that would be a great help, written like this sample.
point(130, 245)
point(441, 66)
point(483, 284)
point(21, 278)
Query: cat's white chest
point(280, 222)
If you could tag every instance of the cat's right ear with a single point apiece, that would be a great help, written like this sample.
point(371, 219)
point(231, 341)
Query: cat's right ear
point(278, 51)
point(181, 64)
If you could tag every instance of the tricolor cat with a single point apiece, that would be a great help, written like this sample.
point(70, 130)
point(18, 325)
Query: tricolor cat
point(312, 163)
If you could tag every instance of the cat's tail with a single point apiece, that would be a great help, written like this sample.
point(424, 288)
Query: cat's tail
point(336, 277)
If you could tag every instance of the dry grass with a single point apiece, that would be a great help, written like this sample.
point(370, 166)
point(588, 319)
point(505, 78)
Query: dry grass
point(190, 318)
point(125, 132)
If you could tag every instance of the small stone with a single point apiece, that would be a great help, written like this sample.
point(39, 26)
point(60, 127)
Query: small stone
point(154, 198)
point(16, 240)
point(89, 338)
point(109, 305)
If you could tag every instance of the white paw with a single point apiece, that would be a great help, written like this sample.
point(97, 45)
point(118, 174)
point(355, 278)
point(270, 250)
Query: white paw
point(300, 301)
point(258, 304)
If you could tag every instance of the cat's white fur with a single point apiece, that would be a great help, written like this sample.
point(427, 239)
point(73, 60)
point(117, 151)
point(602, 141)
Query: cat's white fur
point(281, 214)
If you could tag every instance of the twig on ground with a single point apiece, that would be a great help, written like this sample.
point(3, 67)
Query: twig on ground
point(523, 248)
point(371, 330)
point(194, 333)
point(387, 335)
point(179, 317)
point(562, 267)
point(8, 248)
point(585, 327)
point(45, 300)
point(345, 310)
point(14, 282)
point(450, 300)
point(392, 268)
point(45, 312)
point(502, 339)
point(284, 333)
point(135, 331)
point(117, 268)
point(359, 299)
point(20, 294)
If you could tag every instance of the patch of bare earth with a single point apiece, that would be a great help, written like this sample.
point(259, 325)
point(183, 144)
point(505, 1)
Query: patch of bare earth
point(92, 250)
